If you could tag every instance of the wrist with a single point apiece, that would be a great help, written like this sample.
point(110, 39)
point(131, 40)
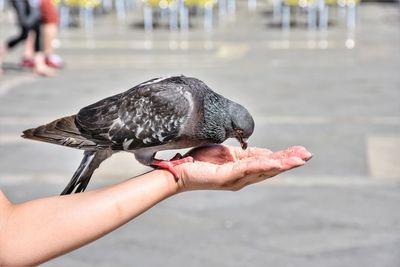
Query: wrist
point(171, 185)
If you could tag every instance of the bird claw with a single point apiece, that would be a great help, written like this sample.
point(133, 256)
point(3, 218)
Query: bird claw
point(178, 156)
point(170, 164)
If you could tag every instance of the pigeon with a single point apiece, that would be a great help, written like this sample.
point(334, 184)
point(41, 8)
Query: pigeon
point(159, 114)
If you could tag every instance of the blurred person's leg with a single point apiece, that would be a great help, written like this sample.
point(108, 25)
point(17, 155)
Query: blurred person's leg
point(14, 41)
point(50, 20)
point(27, 16)
point(49, 33)
point(53, 60)
point(40, 66)
point(11, 43)
point(2, 55)
point(29, 51)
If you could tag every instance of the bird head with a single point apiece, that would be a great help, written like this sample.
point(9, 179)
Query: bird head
point(242, 124)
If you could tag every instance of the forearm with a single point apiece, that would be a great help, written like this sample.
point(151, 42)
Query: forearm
point(42, 229)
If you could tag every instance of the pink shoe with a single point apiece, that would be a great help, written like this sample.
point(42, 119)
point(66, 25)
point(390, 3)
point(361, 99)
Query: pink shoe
point(27, 63)
point(54, 61)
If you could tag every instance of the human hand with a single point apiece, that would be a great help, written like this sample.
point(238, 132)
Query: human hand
point(223, 167)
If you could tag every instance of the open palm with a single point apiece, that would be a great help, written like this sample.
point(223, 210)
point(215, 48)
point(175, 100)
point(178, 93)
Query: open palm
point(231, 168)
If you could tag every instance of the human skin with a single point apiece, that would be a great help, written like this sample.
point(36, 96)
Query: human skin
point(49, 32)
point(29, 51)
point(39, 230)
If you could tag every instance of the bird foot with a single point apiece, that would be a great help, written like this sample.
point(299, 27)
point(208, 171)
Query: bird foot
point(170, 164)
point(178, 156)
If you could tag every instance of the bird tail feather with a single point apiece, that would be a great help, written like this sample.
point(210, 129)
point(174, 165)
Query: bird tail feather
point(61, 132)
point(90, 162)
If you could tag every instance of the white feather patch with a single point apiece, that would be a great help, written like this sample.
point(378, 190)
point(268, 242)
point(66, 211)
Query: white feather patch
point(154, 81)
point(146, 140)
point(127, 143)
point(116, 122)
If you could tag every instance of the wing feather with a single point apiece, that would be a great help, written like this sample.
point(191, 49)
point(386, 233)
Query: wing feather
point(149, 114)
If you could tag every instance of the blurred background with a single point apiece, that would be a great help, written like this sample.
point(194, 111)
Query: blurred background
point(322, 74)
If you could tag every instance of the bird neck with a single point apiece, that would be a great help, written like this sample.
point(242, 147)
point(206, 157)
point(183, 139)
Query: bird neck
point(216, 118)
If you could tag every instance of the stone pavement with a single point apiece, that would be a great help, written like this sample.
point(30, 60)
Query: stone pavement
point(337, 93)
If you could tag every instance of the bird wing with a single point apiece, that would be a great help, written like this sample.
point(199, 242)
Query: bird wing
point(149, 114)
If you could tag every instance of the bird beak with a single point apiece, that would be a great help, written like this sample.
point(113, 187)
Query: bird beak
point(243, 142)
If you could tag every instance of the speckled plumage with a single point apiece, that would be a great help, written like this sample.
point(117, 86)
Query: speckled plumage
point(163, 113)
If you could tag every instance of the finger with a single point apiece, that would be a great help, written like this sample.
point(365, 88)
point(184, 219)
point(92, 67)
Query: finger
point(290, 163)
point(251, 167)
point(265, 171)
point(294, 151)
point(274, 167)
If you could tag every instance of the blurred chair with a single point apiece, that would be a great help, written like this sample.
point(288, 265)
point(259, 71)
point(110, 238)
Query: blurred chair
point(288, 5)
point(222, 8)
point(64, 10)
point(107, 5)
point(351, 10)
point(168, 7)
point(206, 6)
point(317, 11)
point(231, 7)
point(121, 6)
point(2, 5)
point(226, 7)
point(276, 11)
point(323, 9)
point(86, 10)
point(252, 4)
point(348, 6)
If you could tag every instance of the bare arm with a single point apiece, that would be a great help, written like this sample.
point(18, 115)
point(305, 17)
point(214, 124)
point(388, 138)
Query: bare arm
point(39, 230)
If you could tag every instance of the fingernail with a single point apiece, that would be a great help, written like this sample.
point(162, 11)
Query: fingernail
point(308, 155)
